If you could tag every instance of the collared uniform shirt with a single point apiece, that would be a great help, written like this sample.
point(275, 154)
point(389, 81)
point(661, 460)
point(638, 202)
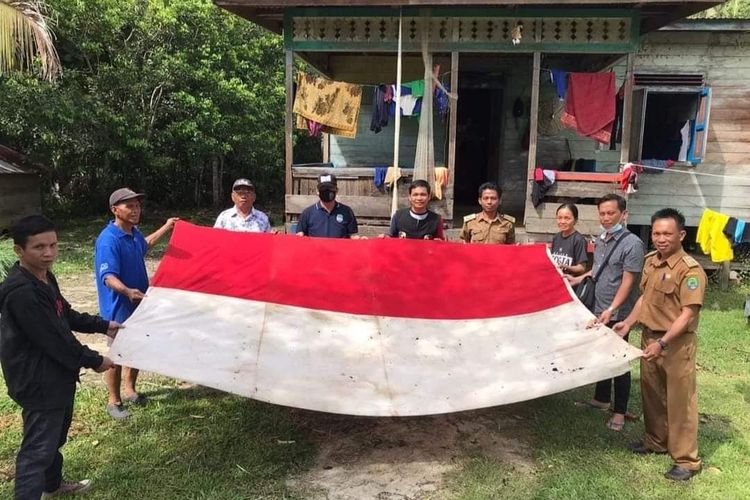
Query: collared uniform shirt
point(478, 228)
point(316, 221)
point(255, 222)
point(668, 286)
point(121, 254)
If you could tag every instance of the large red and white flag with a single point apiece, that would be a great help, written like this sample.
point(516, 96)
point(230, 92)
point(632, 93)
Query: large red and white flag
point(366, 327)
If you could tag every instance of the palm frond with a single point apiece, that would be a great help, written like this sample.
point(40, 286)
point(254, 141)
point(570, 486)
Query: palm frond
point(25, 34)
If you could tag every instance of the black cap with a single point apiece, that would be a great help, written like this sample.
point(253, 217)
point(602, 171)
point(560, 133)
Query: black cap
point(243, 183)
point(327, 180)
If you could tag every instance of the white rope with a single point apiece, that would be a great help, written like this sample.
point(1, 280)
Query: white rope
point(704, 174)
point(397, 127)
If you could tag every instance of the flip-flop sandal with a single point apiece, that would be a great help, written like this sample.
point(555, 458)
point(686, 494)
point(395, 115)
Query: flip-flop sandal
point(628, 416)
point(592, 406)
point(615, 426)
point(139, 400)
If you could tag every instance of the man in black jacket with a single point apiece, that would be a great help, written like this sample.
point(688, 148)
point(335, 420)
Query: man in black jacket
point(41, 358)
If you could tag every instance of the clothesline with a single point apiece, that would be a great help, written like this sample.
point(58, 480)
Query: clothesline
point(662, 169)
point(371, 85)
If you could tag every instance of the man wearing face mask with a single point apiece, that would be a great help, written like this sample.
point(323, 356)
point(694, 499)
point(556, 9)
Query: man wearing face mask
point(327, 218)
point(621, 253)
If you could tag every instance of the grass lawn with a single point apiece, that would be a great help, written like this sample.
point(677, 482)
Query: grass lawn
point(192, 442)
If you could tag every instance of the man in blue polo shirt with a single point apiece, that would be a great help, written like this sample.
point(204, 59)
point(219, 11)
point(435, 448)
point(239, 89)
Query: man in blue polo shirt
point(121, 281)
point(327, 218)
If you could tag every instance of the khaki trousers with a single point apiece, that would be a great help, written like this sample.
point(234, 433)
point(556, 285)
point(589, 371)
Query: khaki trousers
point(670, 402)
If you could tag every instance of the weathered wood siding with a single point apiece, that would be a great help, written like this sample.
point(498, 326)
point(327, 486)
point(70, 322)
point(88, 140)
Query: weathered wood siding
point(724, 58)
point(19, 197)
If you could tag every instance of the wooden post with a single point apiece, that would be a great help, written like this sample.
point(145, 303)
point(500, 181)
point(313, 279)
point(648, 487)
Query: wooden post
point(452, 122)
point(627, 110)
point(325, 140)
point(726, 268)
point(288, 142)
point(534, 115)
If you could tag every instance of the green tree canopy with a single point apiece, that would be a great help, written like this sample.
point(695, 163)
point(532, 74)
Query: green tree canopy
point(154, 94)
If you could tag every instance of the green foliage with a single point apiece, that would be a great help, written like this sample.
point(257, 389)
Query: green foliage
point(731, 9)
point(154, 93)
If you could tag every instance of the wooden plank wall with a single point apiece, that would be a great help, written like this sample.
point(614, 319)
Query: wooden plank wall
point(19, 197)
point(725, 60)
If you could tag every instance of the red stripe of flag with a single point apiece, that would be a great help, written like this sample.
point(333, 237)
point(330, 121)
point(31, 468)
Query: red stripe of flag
point(390, 277)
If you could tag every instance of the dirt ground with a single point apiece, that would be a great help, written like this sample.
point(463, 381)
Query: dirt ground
point(377, 458)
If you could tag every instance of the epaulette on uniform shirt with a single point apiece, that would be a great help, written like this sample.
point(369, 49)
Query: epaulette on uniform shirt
point(650, 254)
point(469, 217)
point(509, 218)
point(690, 261)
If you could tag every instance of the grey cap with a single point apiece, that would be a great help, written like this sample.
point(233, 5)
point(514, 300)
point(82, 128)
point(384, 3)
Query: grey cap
point(243, 183)
point(123, 194)
point(326, 180)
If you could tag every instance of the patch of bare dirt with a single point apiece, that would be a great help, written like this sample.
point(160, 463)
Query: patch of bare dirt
point(403, 458)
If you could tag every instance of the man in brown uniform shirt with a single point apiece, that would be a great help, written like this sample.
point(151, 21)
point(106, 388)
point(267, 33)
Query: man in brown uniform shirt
point(489, 226)
point(672, 287)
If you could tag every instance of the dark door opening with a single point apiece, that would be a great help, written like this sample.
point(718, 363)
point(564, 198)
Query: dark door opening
point(474, 142)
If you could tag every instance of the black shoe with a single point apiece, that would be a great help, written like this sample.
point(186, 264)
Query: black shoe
point(639, 448)
point(677, 473)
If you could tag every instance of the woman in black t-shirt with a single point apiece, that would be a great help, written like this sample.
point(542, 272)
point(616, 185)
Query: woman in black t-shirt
point(569, 246)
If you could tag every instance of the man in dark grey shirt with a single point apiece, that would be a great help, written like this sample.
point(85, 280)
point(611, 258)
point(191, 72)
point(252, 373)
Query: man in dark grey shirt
point(615, 292)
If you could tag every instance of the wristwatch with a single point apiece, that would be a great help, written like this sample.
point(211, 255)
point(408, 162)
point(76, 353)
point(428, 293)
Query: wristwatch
point(662, 344)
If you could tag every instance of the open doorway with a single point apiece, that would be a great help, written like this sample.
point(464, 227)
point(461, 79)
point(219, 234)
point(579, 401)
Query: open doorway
point(476, 143)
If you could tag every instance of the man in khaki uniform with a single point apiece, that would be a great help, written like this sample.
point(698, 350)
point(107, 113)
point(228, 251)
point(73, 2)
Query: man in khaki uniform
point(672, 287)
point(489, 226)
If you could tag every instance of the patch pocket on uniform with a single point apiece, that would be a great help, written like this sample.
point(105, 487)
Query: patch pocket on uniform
point(478, 235)
point(662, 290)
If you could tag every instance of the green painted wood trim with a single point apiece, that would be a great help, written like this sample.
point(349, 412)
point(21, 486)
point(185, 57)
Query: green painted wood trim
point(458, 12)
point(572, 48)
point(635, 30)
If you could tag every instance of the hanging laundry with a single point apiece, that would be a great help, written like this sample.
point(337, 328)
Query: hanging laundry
point(379, 109)
point(711, 238)
point(379, 178)
point(313, 128)
point(560, 81)
point(543, 180)
point(685, 134)
point(617, 125)
point(335, 105)
point(410, 105)
point(388, 96)
point(441, 181)
point(416, 86)
point(629, 178)
point(442, 101)
point(590, 105)
point(737, 230)
point(392, 175)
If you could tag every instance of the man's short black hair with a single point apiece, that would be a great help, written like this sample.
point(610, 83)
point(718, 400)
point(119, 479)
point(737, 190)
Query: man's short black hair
point(30, 226)
point(419, 183)
point(669, 213)
point(491, 186)
point(622, 205)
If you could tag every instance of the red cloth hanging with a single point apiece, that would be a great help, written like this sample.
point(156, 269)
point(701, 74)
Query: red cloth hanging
point(590, 105)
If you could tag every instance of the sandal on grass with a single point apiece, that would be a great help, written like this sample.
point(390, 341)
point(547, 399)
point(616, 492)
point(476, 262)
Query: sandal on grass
point(615, 426)
point(592, 406)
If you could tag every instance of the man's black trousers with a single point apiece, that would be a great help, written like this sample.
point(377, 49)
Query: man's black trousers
point(39, 461)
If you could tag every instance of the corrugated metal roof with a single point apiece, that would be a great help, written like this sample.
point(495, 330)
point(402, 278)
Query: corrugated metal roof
point(11, 168)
